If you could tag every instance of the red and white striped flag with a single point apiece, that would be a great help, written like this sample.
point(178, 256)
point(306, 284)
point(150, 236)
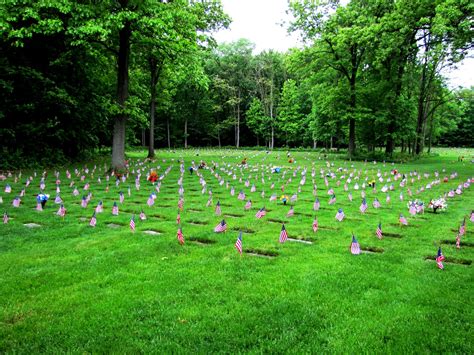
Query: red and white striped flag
point(261, 213)
point(5, 217)
point(142, 216)
point(458, 241)
point(291, 212)
point(238, 243)
point(283, 234)
point(439, 259)
point(378, 232)
point(178, 218)
point(315, 225)
point(132, 223)
point(93, 221)
point(403, 220)
point(221, 227)
point(248, 205)
point(218, 210)
point(115, 209)
point(62, 211)
point(355, 247)
point(316, 204)
point(180, 236)
point(462, 228)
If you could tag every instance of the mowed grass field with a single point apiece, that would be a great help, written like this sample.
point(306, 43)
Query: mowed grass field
point(68, 287)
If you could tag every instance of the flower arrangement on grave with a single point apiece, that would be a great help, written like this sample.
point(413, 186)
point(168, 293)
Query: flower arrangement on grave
point(153, 176)
point(438, 204)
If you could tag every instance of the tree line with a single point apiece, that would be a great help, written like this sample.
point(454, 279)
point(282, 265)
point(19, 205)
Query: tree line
point(80, 75)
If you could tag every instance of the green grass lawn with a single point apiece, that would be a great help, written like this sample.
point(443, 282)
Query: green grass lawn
point(68, 287)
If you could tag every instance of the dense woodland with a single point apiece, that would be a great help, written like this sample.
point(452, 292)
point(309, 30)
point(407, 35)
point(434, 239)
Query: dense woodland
point(80, 75)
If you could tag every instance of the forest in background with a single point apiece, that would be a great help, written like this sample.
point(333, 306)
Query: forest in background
point(76, 76)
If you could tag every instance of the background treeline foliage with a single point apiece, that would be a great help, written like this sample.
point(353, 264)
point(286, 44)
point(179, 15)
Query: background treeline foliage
point(73, 74)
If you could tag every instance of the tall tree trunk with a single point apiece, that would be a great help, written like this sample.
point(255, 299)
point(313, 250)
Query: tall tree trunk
point(143, 137)
point(315, 143)
point(272, 142)
point(352, 103)
point(168, 132)
point(186, 133)
point(153, 79)
point(219, 137)
point(392, 118)
point(118, 141)
point(237, 133)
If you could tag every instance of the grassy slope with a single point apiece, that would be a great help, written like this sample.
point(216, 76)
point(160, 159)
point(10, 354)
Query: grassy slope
point(68, 287)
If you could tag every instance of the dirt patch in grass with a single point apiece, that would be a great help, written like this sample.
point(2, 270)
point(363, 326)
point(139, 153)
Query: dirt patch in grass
point(273, 220)
point(233, 215)
point(198, 223)
point(202, 241)
point(371, 250)
point(243, 230)
point(450, 260)
point(453, 242)
point(261, 253)
point(392, 235)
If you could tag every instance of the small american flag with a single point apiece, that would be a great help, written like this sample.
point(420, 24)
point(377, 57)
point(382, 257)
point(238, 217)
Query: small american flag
point(121, 197)
point(340, 215)
point(221, 227)
point(291, 212)
point(238, 243)
point(181, 204)
point(132, 223)
point(316, 205)
point(16, 202)
point(472, 216)
point(142, 216)
point(241, 195)
point(5, 217)
point(93, 221)
point(376, 203)
point(248, 205)
point(180, 236)
point(62, 211)
point(283, 234)
point(84, 202)
point(218, 210)
point(439, 259)
point(462, 228)
point(178, 218)
point(209, 202)
point(115, 209)
point(355, 247)
point(39, 207)
point(99, 208)
point(261, 212)
point(378, 232)
point(151, 201)
point(349, 196)
point(458, 241)
point(412, 209)
point(363, 206)
point(403, 220)
point(388, 199)
point(273, 197)
point(332, 200)
point(315, 225)
point(8, 189)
